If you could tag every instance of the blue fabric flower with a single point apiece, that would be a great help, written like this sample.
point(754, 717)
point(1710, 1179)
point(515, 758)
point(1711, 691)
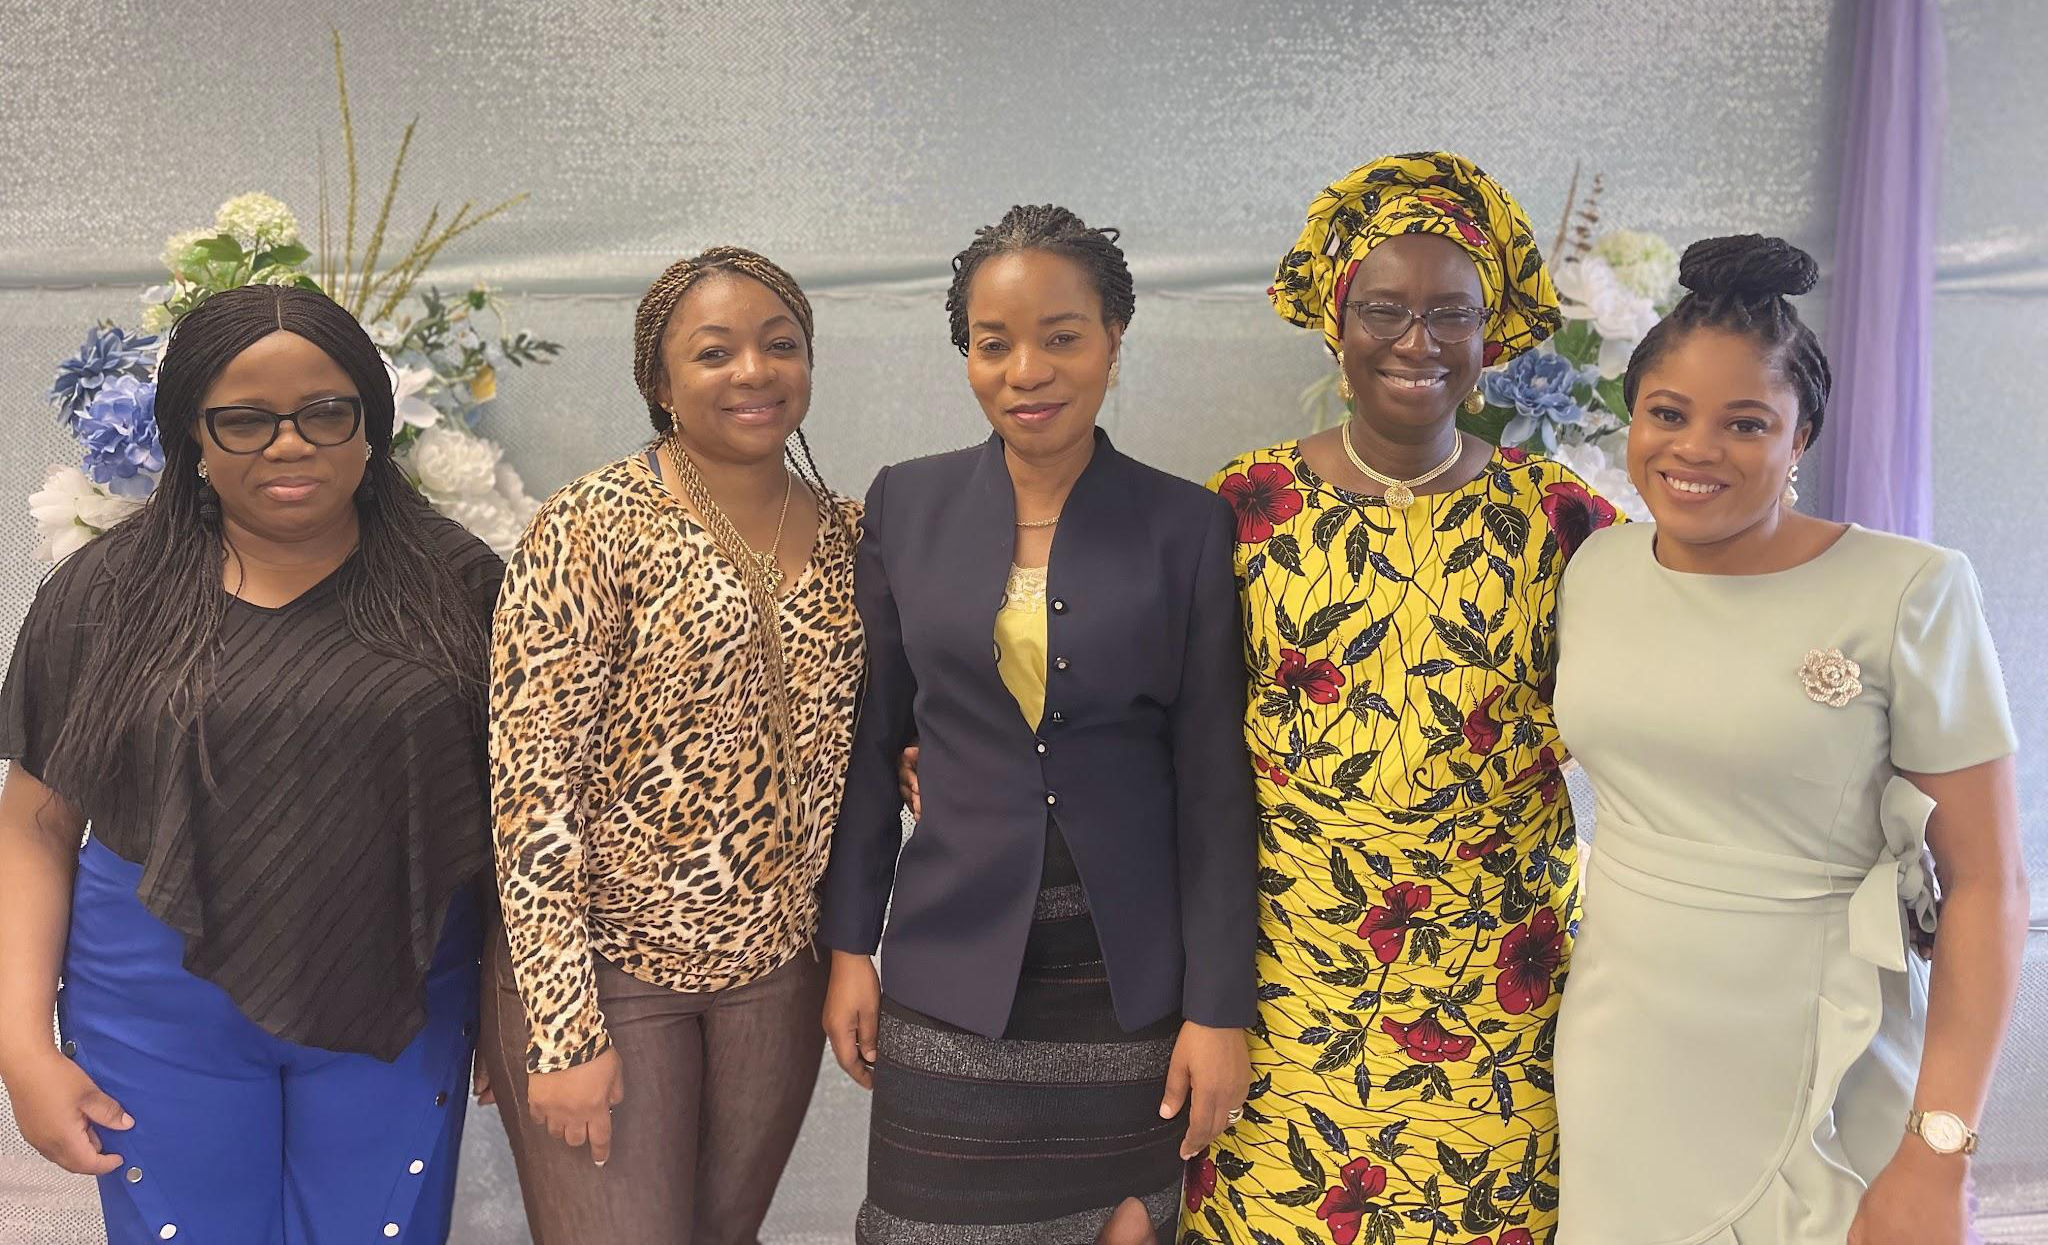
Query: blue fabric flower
point(108, 352)
point(1538, 387)
point(118, 430)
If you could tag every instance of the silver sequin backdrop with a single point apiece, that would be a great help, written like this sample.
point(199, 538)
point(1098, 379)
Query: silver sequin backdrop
point(861, 143)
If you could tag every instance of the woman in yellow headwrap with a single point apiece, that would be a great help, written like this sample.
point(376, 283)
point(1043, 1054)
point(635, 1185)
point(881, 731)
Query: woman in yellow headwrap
point(1418, 864)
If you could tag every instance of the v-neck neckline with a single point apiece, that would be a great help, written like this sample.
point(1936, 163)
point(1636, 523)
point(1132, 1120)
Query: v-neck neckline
point(650, 475)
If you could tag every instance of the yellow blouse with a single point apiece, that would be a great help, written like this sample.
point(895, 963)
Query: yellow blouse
point(1020, 640)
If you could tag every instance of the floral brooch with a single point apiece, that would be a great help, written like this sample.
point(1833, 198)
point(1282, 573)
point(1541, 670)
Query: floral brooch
point(1830, 678)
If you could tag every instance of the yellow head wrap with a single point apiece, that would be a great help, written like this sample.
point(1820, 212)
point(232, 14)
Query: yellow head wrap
point(1430, 192)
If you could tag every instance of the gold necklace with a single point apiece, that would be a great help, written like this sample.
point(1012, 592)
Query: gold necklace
point(763, 577)
point(728, 536)
point(1400, 494)
point(1039, 522)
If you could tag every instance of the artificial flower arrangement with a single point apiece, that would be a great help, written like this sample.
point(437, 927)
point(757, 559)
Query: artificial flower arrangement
point(444, 354)
point(1563, 399)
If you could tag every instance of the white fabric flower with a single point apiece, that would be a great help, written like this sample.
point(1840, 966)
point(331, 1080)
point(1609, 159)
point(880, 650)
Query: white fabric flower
point(70, 510)
point(174, 246)
point(489, 517)
point(513, 489)
point(407, 385)
point(156, 318)
point(257, 221)
point(1603, 475)
point(452, 464)
point(1588, 289)
point(1644, 263)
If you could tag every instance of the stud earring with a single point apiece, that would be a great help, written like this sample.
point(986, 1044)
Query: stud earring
point(1791, 494)
point(203, 474)
point(1343, 379)
point(1474, 403)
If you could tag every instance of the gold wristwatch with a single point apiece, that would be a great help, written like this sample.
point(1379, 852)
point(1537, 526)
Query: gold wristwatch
point(1944, 1133)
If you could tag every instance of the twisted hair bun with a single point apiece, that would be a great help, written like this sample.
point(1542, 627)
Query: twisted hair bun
point(1046, 227)
point(1748, 267)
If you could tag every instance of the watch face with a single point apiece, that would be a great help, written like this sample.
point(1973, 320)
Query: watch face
point(1944, 1132)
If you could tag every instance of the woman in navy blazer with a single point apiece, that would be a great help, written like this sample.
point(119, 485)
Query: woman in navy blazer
point(1067, 967)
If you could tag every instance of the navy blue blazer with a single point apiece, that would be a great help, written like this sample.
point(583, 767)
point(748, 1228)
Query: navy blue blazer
point(1140, 757)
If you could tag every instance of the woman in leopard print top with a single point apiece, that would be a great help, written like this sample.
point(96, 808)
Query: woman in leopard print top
point(662, 808)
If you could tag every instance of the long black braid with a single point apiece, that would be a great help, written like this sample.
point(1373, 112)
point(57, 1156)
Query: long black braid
point(1045, 227)
point(155, 643)
point(1742, 284)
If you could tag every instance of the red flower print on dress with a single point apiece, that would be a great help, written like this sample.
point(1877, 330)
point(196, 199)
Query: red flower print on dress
point(1201, 1180)
point(1546, 767)
point(1511, 454)
point(1385, 928)
point(1318, 679)
point(1574, 514)
point(1513, 1236)
point(1485, 847)
point(1481, 731)
point(1460, 218)
point(1529, 958)
point(1262, 495)
point(1426, 1041)
point(1270, 771)
point(1344, 1205)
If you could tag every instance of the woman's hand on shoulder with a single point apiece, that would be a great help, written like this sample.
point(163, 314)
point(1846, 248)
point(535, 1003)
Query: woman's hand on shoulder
point(906, 781)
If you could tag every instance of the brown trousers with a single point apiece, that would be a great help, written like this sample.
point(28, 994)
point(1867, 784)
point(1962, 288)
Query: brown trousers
point(716, 1088)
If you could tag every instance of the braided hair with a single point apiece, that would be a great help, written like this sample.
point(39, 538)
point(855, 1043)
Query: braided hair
point(155, 646)
point(1742, 285)
point(658, 307)
point(1044, 227)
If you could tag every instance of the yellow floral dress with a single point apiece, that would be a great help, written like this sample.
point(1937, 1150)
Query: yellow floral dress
point(1418, 870)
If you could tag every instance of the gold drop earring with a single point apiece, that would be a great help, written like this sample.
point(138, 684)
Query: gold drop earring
point(1343, 379)
point(1791, 494)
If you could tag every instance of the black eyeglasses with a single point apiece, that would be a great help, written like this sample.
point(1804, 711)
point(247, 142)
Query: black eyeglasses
point(252, 430)
point(1390, 321)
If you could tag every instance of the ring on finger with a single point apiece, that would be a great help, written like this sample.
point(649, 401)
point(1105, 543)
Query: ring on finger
point(1234, 1114)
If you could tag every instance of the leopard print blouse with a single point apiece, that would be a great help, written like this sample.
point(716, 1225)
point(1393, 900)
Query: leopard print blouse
point(635, 809)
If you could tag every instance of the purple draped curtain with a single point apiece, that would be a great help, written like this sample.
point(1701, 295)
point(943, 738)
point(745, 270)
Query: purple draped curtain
point(1880, 306)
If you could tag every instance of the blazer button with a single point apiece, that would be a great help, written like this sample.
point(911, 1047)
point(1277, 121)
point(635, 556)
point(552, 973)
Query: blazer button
point(1059, 663)
point(1050, 798)
point(1059, 606)
point(1058, 717)
point(1041, 747)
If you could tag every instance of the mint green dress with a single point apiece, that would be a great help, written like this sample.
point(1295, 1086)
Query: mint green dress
point(1741, 1029)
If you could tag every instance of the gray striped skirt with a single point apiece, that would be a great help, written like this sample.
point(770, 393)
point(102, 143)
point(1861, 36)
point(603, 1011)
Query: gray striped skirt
point(1034, 1138)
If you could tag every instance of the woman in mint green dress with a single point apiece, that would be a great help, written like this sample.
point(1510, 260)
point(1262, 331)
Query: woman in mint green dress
point(1794, 727)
